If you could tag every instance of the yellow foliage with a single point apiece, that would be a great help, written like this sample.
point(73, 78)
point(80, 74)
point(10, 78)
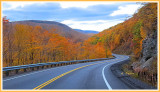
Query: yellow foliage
point(143, 32)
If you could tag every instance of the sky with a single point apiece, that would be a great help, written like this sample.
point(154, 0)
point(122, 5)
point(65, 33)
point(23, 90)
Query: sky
point(77, 15)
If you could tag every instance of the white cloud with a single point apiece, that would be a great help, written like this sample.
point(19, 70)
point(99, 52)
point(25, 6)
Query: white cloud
point(127, 9)
point(82, 4)
point(15, 5)
point(98, 25)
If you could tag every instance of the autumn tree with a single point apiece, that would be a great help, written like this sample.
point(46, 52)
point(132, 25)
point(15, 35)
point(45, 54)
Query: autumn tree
point(7, 41)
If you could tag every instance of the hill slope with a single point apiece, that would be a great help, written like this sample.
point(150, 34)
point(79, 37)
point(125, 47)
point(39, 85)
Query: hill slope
point(28, 42)
point(136, 36)
point(56, 27)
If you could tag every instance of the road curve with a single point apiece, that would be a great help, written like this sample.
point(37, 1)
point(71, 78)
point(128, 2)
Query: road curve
point(91, 75)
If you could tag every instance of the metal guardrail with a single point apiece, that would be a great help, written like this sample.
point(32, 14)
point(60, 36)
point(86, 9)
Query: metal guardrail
point(7, 70)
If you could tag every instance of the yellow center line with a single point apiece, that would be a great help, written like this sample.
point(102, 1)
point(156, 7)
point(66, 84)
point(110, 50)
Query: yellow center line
point(59, 76)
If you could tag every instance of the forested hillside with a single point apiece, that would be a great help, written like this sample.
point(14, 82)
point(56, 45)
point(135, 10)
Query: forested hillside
point(136, 37)
point(55, 27)
point(28, 43)
point(127, 37)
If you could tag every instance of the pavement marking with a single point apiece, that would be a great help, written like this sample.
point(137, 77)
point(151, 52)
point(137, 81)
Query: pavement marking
point(105, 80)
point(48, 82)
point(31, 73)
point(55, 78)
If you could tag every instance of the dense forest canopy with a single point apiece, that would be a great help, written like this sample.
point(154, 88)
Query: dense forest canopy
point(127, 37)
point(26, 44)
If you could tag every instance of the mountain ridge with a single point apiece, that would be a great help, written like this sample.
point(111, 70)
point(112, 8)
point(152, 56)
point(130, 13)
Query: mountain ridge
point(57, 27)
point(87, 31)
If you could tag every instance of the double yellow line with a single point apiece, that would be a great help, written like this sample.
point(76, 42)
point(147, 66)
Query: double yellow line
point(55, 78)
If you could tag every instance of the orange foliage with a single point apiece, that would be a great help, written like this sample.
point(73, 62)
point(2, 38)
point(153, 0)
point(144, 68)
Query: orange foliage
point(33, 44)
point(5, 20)
point(127, 37)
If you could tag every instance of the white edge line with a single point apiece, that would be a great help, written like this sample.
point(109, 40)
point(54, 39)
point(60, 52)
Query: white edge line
point(105, 80)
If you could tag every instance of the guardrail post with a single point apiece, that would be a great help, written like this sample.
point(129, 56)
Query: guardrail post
point(37, 67)
point(47, 66)
point(7, 73)
point(17, 71)
point(32, 68)
point(24, 70)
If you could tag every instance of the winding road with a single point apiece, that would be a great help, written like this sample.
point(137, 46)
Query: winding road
point(91, 75)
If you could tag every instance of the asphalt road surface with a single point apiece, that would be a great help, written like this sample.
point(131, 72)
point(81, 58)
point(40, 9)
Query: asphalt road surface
point(82, 76)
